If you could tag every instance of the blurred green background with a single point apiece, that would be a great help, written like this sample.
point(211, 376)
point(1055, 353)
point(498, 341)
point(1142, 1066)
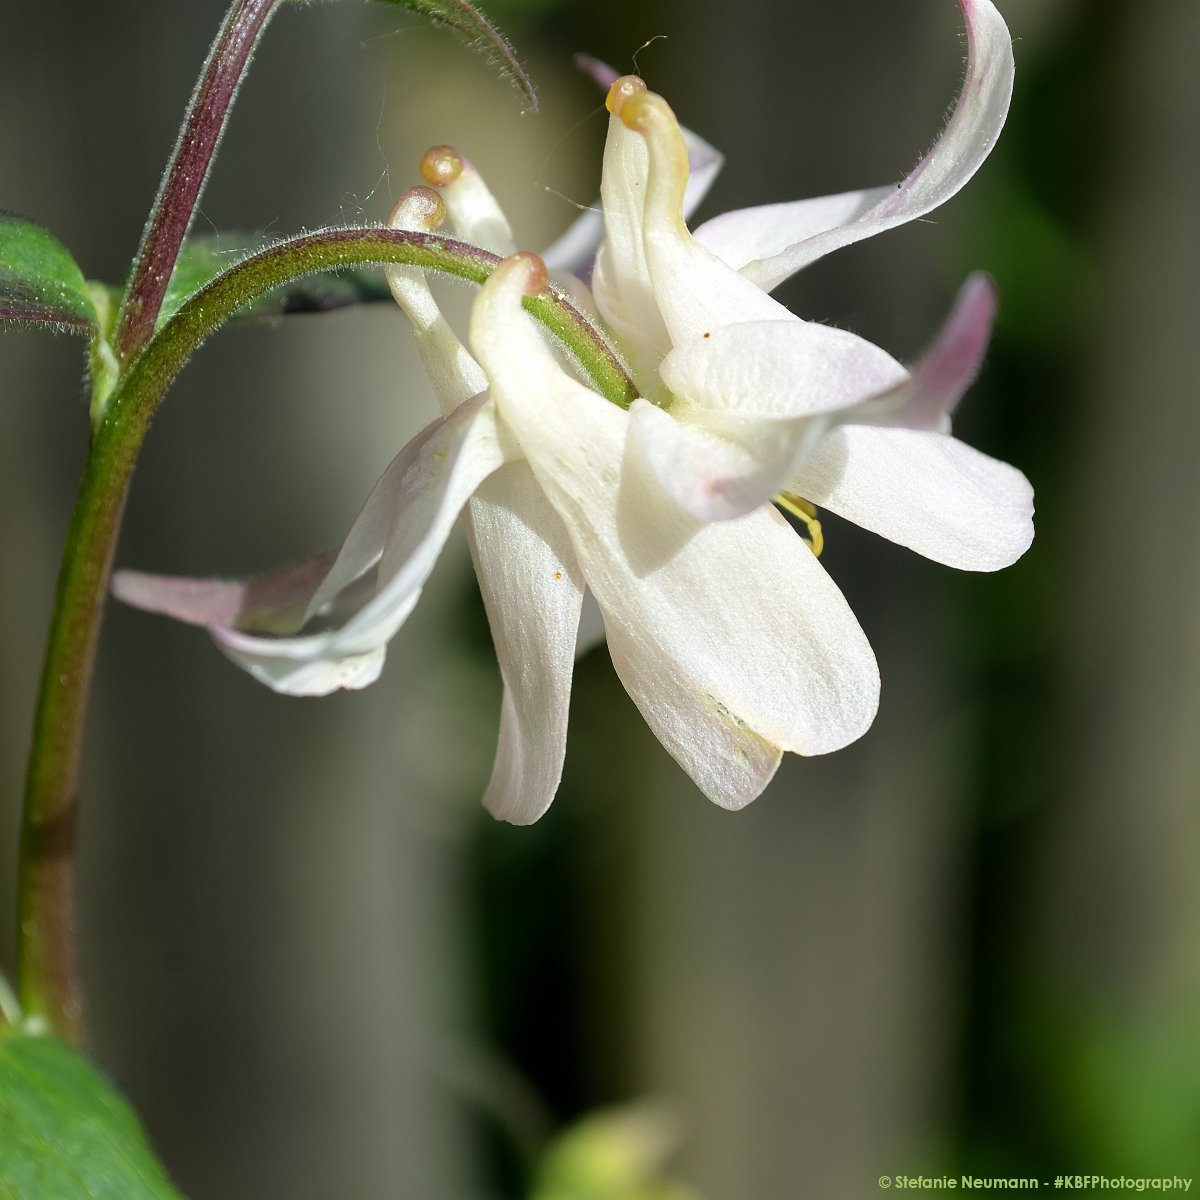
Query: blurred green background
point(969, 943)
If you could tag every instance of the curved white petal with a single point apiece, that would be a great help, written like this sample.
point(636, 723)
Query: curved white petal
point(927, 491)
point(721, 465)
point(576, 249)
point(745, 234)
point(621, 283)
point(789, 368)
point(758, 396)
point(532, 588)
point(730, 638)
point(454, 375)
point(694, 291)
point(438, 471)
point(782, 237)
point(476, 213)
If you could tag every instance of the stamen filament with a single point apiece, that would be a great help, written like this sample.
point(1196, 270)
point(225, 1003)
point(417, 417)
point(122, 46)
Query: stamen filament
point(806, 511)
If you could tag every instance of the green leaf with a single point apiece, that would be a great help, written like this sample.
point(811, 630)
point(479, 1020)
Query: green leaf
point(202, 259)
point(39, 280)
point(471, 24)
point(65, 1133)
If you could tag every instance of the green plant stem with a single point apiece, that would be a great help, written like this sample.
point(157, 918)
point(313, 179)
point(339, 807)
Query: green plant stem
point(45, 935)
point(46, 943)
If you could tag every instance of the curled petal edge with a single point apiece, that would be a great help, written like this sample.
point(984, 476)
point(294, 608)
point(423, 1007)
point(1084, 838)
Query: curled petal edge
point(772, 242)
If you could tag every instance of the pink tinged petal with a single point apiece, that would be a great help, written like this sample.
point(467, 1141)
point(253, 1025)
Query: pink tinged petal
point(927, 398)
point(443, 467)
point(604, 75)
point(532, 588)
point(783, 238)
point(927, 491)
point(704, 165)
point(276, 603)
point(576, 248)
point(730, 638)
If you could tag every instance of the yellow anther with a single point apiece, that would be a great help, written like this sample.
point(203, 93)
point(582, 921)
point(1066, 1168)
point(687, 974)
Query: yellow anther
point(441, 165)
point(420, 208)
point(806, 511)
point(620, 91)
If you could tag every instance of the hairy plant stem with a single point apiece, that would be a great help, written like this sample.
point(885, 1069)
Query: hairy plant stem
point(45, 953)
point(187, 172)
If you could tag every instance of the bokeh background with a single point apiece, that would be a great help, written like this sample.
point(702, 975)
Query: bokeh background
point(969, 943)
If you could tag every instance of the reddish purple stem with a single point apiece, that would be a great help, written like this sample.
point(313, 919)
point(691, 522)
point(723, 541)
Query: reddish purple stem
point(179, 193)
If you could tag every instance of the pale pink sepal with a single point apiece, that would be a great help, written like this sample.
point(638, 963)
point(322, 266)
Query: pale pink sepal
point(938, 382)
point(276, 603)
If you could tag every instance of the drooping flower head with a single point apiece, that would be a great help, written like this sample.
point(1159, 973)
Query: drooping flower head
point(725, 630)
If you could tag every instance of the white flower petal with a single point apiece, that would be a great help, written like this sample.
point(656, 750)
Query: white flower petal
point(927, 491)
point(788, 368)
point(476, 213)
point(745, 234)
point(694, 291)
point(784, 238)
point(532, 587)
point(757, 397)
point(687, 606)
point(621, 283)
point(738, 644)
point(721, 465)
point(576, 249)
point(453, 373)
point(441, 468)
point(736, 443)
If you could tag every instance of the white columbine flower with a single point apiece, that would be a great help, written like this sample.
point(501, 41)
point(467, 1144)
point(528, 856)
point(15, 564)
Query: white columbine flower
point(724, 628)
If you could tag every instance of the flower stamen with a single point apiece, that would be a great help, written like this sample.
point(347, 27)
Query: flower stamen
point(805, 511)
